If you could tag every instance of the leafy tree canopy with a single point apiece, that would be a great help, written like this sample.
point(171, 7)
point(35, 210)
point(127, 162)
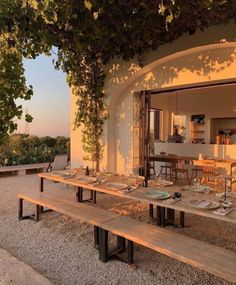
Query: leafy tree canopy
point(87, 34)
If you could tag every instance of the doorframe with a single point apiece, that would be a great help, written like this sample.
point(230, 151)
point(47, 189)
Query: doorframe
point(149, 93)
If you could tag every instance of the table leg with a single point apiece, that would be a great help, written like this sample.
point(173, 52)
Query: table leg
point(41, 189)
point(182, 224)
point(150, 210)
point(159, 220)
point(79, 194)
point(163, 216)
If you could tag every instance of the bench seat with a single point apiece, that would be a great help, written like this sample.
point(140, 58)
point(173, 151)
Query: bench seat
point(213, 259)
point(83, 212)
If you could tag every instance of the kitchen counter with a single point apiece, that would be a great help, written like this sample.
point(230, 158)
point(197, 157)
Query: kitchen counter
point(193, 150)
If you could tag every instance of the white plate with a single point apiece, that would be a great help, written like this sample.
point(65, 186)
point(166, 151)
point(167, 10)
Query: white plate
point(203, 204)
point(86, 179)
point(63, 174)
point(160, 195)
point(162, 182)
point(198, 189)
point(115, 185)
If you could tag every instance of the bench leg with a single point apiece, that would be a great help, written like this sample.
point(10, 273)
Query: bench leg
point(37, 213)
point(103, 245)
point(34, 217)
point(20, 209)
point(150, 210)
point(96, 236)
point(130, 251)
point(121, 244)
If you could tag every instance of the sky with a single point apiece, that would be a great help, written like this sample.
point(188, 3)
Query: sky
point(50, 103)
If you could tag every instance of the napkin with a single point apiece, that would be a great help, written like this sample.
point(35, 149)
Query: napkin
point(222, 211)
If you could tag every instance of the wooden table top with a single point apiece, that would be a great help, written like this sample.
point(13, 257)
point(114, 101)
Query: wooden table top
point(168, 157)
point(139, 195)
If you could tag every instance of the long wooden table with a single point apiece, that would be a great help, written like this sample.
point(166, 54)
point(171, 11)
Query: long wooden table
point(139, 195)
point(170, 158)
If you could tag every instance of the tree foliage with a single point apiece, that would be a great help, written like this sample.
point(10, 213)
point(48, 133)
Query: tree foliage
point(87, 34)
point(26, 149)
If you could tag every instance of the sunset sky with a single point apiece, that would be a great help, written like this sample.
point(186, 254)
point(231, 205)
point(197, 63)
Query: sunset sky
point(50, 104)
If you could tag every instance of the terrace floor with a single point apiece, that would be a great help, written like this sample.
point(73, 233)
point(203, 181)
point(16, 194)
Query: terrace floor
point(61, 249)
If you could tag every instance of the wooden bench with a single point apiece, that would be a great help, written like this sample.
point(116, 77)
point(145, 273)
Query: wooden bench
point(83, 212)
point(22, 169)
point(213, 259)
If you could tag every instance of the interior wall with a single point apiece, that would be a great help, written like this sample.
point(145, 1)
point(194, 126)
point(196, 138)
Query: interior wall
point(214, 102)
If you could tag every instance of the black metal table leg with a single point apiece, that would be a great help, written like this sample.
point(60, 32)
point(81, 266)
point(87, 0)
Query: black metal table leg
point(150, 210)
point(182, 222)
point(163, 216)
point(94, 197)
point(79, 194)
point(103, 245)
point(130, 249)
point(41, 189)
point(159, 219)
point(172, 214)
point(20, 209)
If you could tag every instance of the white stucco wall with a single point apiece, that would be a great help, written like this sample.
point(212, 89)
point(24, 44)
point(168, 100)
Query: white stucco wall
point(190, 59)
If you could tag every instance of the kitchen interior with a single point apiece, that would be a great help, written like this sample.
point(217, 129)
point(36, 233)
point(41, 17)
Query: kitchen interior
point(205, 118)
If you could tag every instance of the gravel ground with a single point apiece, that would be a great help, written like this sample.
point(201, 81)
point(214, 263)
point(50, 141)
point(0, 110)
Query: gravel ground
point(61, 249)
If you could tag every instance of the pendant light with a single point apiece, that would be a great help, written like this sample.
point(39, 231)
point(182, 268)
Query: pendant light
point(176, 105)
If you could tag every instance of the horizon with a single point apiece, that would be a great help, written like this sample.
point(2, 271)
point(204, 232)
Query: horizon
point(50, 115)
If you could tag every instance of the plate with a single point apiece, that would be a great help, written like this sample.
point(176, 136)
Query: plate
point(203, 204)
point(115, 185)
point(86, 179)
point(162, 182)
point(153, 194)
point(63, 174)
point(198, 188)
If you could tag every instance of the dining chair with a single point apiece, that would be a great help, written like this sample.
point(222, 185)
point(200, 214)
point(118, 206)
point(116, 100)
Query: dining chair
point(166, 169)
point(180, 173)
point(60, 162)
point(152, 167)
point(211, 175)
point(196, 172)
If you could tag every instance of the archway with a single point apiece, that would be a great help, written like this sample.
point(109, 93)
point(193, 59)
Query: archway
point(194, 65)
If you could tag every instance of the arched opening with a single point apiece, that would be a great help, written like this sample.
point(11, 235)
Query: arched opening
point(195, 65)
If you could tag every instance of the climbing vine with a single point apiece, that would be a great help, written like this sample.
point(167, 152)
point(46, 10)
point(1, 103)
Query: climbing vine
point(87, 34)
